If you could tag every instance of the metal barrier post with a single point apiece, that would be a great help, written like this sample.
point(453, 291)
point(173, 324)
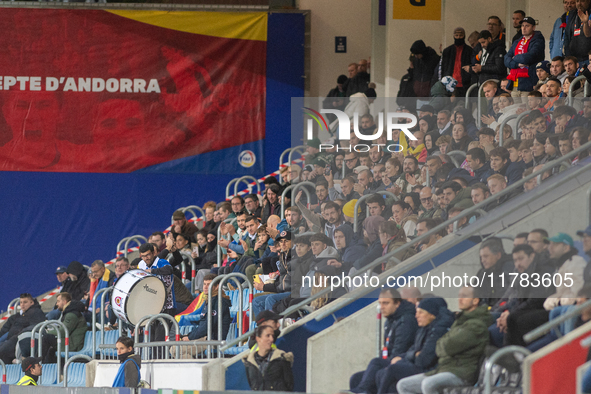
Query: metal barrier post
point(76, 357)
point(102, 312)
point(13, 304)
point(245, 178)
point(379, 332)
point(3, 372)
point(586, 89)
point(281, 162)
point(571, 97)
point(94, 297)
point(459, 153)
point(228, 187)
point(135, 238)
point(283, 199)
point(479, 113)
point(240, 306)
point(428, 180)
point(55, 324)
point(297, 187)
point(502, 127)
point(159, 318)
point(192, 208)
point(496, 355)
point(363, 198)
point(470, 89)
point(120, 243)
point(301, 149)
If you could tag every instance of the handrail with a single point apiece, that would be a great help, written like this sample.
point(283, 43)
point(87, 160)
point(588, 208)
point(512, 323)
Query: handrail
point(39, 329)
point(102, 305)
point(245, 178)
point(470, 89)
point(502, 126)
point(163, 317)
point(516, 130)
point(494, 357)
point(481, 212)
point(184, 265)
point(459, 153)
point(479, 113)
point(3, 372)
point(571, 97)
point(363, 198)
point(228, 187)
point(301, 149)
point(549, 326)
point(10, 304)
point(135, 238)
point(240, 306)
point(219, 248)
point(288, 188)
point(302, 184)
point(119, 244)
point(288, 150)
point(379, 332)
point(465, 213)
point(76, 357)
point(192, 208)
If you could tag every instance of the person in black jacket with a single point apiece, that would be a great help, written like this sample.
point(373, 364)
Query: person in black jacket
point(268, 368)
point(495, 262)
point(31, 314)
point(434, 320)
point(492, 59)
point(80, 280)
point(399, 334)
point(423, 66)
point(452, 66)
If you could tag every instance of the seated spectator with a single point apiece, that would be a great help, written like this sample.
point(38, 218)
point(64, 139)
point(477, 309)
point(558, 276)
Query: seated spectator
point(425, 225)
point(428, 207)
point(460, 139)
point(205, 253)
point(400, 331)
point(393, 237)
point(553, 90)
point(392, 171)
point(443, 143)
point(538, 149)
point(376, 205)
point(80, 281)
point(251, 203)
point(479, 193)
point(323, 253)
point(455, 196)
point(366, 183)
point(350, 249)
point(522, 305)
point(500, 164)
point(65, 282)
point(430, 139)
point(159, 239)
point(280, 287)
point(403, 216)
point(371, 227)
point(494, 261)
point(100, 278)
point(507, 134)
point(566, 119)
point(30, 315)
point(586, 238)
point(411, 176)
point(268, 368)
point(476, 159)
point(568, 264)
point(461, 223)
point(434, 320)
point(413, 200)
point(459, 350)
point(271, 203)
point(496, 184)
point(526, 154)
point(579, 137)
point(180, 225)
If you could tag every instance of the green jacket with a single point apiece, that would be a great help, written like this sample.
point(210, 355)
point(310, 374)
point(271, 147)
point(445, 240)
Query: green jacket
point(461, 348)
point(462, 200)
point(76, 323)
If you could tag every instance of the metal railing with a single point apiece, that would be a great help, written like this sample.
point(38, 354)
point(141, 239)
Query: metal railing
point(470, 89)
point(451, 154)
point(290, 187)
point(196, 344)
point(162, 317)
point(571, 97)
point(191, 209)
point(494, 357)
point(479, 113)
point(228, 187)
point(299, 185)
point(13, 304)
point(127, 240)
point(3, 372)
point(289, 151)
point(555, 323)
point(379, 332)
point(76, 357)
point(57, 325)
point(219, 248)
point(515, 131)
point(191, 260)
point(363, 198)
point(102, 293)
point(246, 178)
point(222, 279)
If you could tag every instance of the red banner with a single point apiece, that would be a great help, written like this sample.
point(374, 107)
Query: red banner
point(99, 91)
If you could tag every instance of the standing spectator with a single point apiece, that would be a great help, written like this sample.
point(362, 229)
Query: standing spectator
point(459, 350)
point(523, 55)
point(423, 66)
point(492, 64)
point(454, 58)
point(517, 18)
point(359, 82)
point(400, 330)
point(557, 68)
point(577, 37)
point(335, 99)
point(558, 31)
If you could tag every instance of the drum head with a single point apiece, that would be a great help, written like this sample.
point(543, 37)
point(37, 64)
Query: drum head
point(139, 294)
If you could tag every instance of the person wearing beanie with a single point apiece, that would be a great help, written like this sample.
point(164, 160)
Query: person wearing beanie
point(336, 98)
point(453, 60)
point(424, 62)
point(434, 320)
point(399, 333)
point(32, 368)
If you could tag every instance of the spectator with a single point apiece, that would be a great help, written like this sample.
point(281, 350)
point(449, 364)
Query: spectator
point(523, 55)
point(271, 203)
point(266, 319)
point(129, 373)
point(558, 31)
point(506, 86)
point(525, 153)
point(371, 227)
point(486, 139)
point(424, 64)
point(430, 139)
point(586, 238)
point(335, 99)
point(416, 147)
point(400, 330)
point(579, 137)
point(564, 145)
point(403, 216)
point(181, 225)
point(479, 192)
point(455, 196)
point(459, 350)
point(359, 82)
point(80, 280)
point(517, 18)
point(31, 314)
point(251, 202)
point(268, 368)
point(454, 58)
point(495, 262)
point(566, 260)
point(65, 282)
point(428, 207)
point(575, 43)
point(365, 183)
point(571, 66)
point(413, 199)
point(158, 239)
point(441, 93)
point(542, 72)
point(32, 368)
point(358, 104)
point(411, 177)
point(492, 65)
point(393, 237)
point(496, 184)
point(538, 240)
point(163, 270)
point(460, 139)
point(425, 225)
point(500, 164)
point(476, 159)
point(557, 68)
point(444, 124)
point(350, 249)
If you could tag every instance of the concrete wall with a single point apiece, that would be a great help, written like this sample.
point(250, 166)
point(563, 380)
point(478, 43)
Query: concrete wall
point(331, 18)
point(358, 332)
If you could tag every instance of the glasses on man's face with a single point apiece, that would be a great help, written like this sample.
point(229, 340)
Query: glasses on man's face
point(424, 200)
point(349, 160)
point(492, 24)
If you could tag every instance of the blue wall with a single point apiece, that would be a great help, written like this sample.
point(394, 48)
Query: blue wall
point(50, 219)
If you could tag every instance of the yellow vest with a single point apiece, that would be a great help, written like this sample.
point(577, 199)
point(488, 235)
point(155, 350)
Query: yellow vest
point(26, 381)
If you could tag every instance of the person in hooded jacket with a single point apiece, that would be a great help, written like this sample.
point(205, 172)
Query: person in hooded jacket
point(267, 367)
point(31, 314)
point(323, 256)
point(492, 60)
point(371, 226)
point(80, 280)
point(423, 67)
point(393, 237)
point(399, 333)
point(350, 248)
point(495, 262)
point(434, 320)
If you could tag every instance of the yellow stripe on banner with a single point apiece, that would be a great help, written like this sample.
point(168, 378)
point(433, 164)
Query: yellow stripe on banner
point(241, 25)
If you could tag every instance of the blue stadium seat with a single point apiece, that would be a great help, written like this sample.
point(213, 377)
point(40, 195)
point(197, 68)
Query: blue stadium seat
point(86, 350)
point(233, 351)
point(49, 375)
point(76, 375)
point(13, 373)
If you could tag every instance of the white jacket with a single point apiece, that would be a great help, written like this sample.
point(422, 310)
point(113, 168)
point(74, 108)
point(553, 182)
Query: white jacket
point(566, 295)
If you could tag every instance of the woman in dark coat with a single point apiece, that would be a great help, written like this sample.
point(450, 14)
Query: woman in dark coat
point(268, 368)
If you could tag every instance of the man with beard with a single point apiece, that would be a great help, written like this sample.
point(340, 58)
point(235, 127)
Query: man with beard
point(411, 176)
point(492, 64)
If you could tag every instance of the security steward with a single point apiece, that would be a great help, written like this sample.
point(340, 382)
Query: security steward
point(32, 370)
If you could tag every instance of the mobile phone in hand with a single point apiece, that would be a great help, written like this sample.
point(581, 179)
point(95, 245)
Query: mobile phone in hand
point(327, 169)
